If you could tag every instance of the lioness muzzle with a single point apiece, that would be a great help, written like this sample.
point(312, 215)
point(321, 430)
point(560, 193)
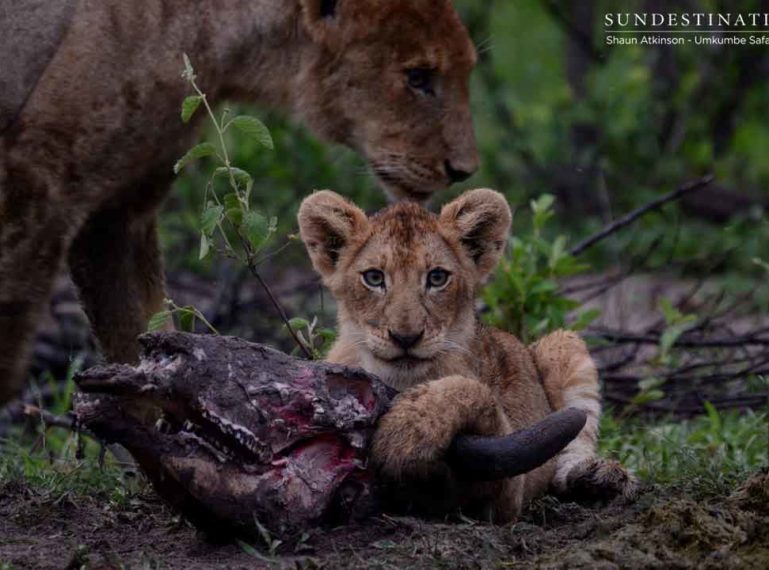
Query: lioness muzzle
point(489, 458)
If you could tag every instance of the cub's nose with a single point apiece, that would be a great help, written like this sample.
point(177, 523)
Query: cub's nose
point(457, 173)
point(406, 341)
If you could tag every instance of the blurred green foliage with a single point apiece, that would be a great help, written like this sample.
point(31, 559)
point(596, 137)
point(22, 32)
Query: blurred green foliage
point(602, 128)
point(524, 296)
point(632, 122)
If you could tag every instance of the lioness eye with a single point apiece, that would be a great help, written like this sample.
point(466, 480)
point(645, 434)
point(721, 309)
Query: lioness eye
point(421, 78)
point(437, 278)
point(374, 278)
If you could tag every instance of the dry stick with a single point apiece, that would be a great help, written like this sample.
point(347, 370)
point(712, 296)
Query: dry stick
point(279, 309)
point(51, 420)
point(639, 212)
point(750, 339)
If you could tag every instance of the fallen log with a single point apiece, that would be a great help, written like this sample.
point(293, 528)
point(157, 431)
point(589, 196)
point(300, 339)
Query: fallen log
point(252, 437)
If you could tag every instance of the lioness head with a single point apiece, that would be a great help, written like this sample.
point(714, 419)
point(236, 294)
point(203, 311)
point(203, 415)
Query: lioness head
point(405, 279)
point(390, 79)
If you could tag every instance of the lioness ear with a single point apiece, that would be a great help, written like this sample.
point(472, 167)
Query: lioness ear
point(319, 16)
point(480, 220)
point(327, 224)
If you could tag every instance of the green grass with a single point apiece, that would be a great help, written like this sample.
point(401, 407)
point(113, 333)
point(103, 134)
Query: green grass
point(50, 464)
point(57, 463)
point(706, 455)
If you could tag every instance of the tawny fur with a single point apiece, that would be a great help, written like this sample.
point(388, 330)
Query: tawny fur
point(461, 376)
point(87, 160)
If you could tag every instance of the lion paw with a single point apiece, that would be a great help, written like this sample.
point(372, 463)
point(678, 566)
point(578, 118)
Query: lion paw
point(602, 480)
point(410, 440)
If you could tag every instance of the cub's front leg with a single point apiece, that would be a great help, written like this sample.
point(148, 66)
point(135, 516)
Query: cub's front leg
point(413, 437)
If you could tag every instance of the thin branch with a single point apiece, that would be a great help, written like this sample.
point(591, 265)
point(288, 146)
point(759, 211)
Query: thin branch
point(631, 217)
point(279, 309)
point(620, 337)
point(68, 422)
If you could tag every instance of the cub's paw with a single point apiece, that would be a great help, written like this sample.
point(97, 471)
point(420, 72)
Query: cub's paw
point(601, 480)
point(411, 438)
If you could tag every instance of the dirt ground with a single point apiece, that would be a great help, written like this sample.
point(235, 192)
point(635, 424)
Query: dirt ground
point(661, 530)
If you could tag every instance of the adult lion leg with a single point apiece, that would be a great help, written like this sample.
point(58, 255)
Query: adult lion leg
point(570, 379)
point(34, 235)
point(116, 265)
point(414, 436)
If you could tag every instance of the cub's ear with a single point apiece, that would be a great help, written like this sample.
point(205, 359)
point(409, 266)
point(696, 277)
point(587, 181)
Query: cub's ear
point(480, 220)
point(327, 224)
point(320, 17)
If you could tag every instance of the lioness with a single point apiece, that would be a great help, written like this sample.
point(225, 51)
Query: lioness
point(89, 118)
point(405, 281)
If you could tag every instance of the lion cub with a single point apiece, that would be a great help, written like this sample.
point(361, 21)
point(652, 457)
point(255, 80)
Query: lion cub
point(405, 281)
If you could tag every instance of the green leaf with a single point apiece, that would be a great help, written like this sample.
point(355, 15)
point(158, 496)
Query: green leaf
point(209, 219)
point(585, 319)
point(233, 209)
point(242, 178)
point(298, 323)
point(195, 153)
point(557, 252)
point(189, 106)
point(254, 128)
point(670, 313)
point(232, 200)
point(543, 210)
point(257, 228)
point(187, 320)
point(713, 416)
point(646, 397)
point(650, 383)
point(159, 321)
point(328, 335)
point(672, 333)
point(205, 246)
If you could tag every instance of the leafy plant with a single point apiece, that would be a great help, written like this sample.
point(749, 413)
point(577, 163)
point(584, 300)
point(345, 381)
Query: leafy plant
point(228, 224)
point(227, 210)
point(524, 297)
point(317, 339)
point(676, 324)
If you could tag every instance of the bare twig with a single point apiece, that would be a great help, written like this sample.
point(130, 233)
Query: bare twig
point(68, 422)
point(279, 308)
point(620, 337)
point(631, 217)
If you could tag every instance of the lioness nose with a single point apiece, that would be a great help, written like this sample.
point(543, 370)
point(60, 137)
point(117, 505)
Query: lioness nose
point(457, 173)
point(406, 341)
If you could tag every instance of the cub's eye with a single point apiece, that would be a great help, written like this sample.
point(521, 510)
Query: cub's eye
point(437, 278)
point(374, 278)
point(421, 79)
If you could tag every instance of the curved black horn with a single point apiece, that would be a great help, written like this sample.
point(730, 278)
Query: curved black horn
point(482, 458)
